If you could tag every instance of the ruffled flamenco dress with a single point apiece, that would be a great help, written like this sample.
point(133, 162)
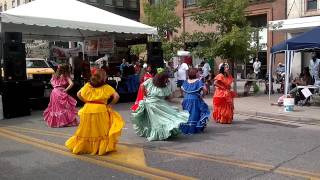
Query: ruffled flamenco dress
point(197, 108)
point(100, 126)
point(140, 94)
point(154, 118)
point(61, 111)
point(223, 100)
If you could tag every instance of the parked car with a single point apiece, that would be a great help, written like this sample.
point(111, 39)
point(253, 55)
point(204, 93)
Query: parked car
point(54, 65)
point(39, 69)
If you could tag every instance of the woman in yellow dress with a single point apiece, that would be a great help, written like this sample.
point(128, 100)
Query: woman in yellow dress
point(100, 126)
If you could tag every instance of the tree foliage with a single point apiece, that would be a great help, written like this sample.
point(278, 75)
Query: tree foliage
point(162, 15)
point(234, 35)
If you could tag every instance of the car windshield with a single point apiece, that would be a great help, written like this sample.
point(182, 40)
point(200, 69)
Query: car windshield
point(36, 64)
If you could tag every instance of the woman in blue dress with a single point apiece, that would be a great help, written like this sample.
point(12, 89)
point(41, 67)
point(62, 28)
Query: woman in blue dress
point(194, 104)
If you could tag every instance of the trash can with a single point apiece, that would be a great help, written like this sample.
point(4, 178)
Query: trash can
point(288, 104)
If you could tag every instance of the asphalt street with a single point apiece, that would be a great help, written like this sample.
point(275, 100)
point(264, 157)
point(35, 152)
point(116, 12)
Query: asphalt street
point(248, 149)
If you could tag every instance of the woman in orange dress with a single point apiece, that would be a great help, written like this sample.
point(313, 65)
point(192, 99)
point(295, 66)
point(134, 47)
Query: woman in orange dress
point(223, 96)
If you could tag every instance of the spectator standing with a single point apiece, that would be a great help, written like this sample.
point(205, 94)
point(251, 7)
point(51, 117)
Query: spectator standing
point(123, 66)
point(314, 67)
point(77, 67)
point(181, 75)
point(257, 67)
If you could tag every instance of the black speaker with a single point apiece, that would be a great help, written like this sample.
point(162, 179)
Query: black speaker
point(14, 61)
point(13, 37)
point(15, 101)
point(37, 88)
point(155, 54)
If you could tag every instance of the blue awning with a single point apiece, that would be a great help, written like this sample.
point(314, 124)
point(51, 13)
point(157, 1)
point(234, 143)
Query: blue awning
point(307, 40)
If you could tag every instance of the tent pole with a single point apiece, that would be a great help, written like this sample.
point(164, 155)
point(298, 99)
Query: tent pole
point(286, 72)
point(270, 79)
point(1, 49)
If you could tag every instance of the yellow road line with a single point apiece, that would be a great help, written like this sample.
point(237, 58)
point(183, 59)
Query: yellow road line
point(143, 171)
point(218, 159)
point(245, 164)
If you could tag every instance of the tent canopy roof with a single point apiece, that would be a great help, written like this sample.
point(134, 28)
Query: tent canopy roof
point(307, 40)
point(68, 18)
point(295, 25)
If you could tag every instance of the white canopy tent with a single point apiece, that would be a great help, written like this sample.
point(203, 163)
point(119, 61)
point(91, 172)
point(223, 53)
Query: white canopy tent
point(68, 20)
point(295, 25)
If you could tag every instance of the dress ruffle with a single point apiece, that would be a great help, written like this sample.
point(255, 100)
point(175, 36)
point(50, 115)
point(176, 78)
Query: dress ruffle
point(223, 110)
point(157, 120)
point(197, 108)
point(97, 133)
point(223, 101)
point(199, 116)
point(61, 111)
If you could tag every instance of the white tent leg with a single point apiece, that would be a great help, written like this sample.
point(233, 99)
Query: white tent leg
point(270, 74)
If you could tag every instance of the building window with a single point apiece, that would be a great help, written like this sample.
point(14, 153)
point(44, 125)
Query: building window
point(1, 8)
point(18, 2)
point(188, 3)
point(93, 1)
point(119, 3)
point(311, 5)
point(108, 2)
point(133, 4)
point(13, 3)
point(5, 6)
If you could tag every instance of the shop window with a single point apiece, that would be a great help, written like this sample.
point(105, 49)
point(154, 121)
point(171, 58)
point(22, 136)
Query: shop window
point(119, 3)
point(133, 4)
point(93, 1)
point(108, 2)
point(311, 5)
point(13, 4)
point(5, 6)
point(18, 2)
point(1, 8)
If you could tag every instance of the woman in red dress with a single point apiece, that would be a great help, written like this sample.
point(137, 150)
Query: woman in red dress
point(223, 96)
point(140, 94)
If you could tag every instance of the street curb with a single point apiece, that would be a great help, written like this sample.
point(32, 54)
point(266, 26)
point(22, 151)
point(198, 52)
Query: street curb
point(281, 116)
point(276, 116)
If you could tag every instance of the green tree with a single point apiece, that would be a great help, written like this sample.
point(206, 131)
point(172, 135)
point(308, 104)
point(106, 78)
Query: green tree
point(137, 49)
point(233, 36)
point(162, 15)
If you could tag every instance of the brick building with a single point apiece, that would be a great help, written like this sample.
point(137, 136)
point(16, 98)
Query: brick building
point(259, 13)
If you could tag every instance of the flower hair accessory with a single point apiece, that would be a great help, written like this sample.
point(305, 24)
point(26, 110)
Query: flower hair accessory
point(160, 70)
point(223, 64)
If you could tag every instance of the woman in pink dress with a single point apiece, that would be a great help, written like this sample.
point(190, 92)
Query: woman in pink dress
point(61, 111)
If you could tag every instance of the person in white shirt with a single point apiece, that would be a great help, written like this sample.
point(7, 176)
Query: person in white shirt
point(182, 75)
point(256, 67)
point(314, 67)
point(206, 69)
